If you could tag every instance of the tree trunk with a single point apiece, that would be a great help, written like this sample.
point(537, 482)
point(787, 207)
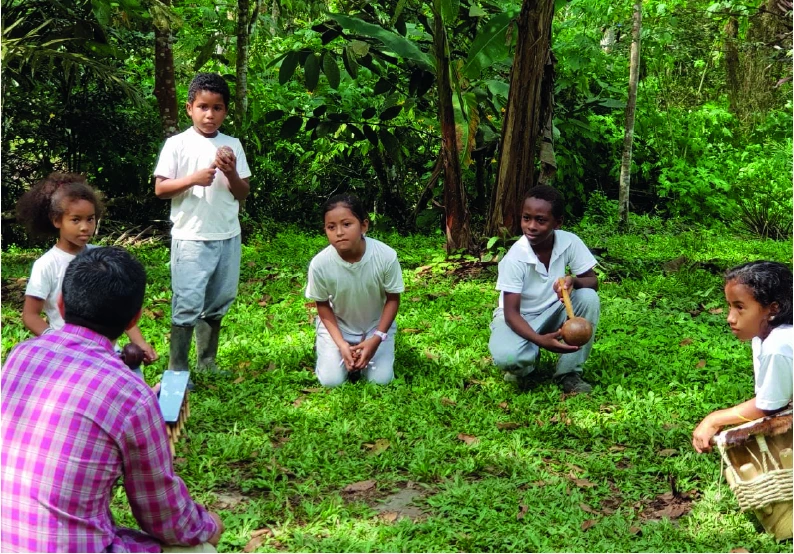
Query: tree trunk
point(457, 217)
point(522, 122)
point(164, 81)
point(628, 137)
point(732, 62)
point(246, 23)
point(548, 161)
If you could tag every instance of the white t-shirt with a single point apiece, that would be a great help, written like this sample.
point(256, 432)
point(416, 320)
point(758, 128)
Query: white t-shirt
point(520, 271)
point(201, 213)
point(46, 279)
point(357, 291)
point(773, 368)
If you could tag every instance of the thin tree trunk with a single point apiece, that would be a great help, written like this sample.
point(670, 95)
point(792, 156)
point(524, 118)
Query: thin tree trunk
point(548, 161)
point(732, 62)
point(522, 123)
point(457, 217)
point(164, 82)
point(628, 137)
point(246, 23)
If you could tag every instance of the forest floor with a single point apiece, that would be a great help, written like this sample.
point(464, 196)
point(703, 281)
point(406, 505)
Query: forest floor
point(449, 457)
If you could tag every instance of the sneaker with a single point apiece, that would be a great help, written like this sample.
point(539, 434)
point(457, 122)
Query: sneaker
point(573, 383)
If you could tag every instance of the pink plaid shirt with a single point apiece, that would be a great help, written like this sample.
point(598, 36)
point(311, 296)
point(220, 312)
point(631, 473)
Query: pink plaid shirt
point(75, 419)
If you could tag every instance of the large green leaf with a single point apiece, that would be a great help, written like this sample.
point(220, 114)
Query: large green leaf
point(331, 70)
point(449, 11)
point(390, 113)
point(490, 45)
point(390, 143)
point(400, 45)
point(371, 134)
point(288, 67)
point(350, 63)
point(312, 70)
point(291, 126)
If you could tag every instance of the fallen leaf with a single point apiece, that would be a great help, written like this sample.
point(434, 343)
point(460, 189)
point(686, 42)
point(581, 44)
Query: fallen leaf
point(607, 511)
point(423, 269)
point(685, 342)
point(271, 367)
point(503, 405)
point(587, 524)
point(265, 531)
point(410, 331)
point(538, 483)
point(635, 531)
point(667, 452)
point(389, 517)
point(447, 402)
point(416, 299)
point(617, 448)
point(715, 311)
point(738, 549)
point(575, 468)
point(673, 511)
point(361, 486)
point(381, 445)
point(158, 313)
point(701, 364)
point(468, 439)
point(588, 509)
point(507, 426)
point(311, 390)
point(254, 543)
point(307, 305)
point(430, 356)
point(583, 483)
point(299, 401)
point(244, 365)
point(180, 460)
point(251, 264)
point(239, 380)
point(522, 511)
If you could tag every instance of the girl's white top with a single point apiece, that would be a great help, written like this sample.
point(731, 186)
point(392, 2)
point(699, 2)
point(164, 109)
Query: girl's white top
point(357, 291)
point(773, 366)
point(46, 279)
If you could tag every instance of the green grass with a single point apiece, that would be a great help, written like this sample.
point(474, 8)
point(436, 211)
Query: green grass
point(275, 450)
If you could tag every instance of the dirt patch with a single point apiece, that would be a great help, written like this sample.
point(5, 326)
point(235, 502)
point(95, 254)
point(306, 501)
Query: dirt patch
point(400, 505)
point(229, 500)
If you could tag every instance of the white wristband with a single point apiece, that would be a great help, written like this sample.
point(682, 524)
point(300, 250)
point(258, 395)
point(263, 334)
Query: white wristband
point(383, 336)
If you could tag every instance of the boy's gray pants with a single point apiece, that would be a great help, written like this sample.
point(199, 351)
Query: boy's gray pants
point(204, 278)
point(514, 354)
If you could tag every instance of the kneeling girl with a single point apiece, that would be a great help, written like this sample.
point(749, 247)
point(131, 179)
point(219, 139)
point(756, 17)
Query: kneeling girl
point(356, 282)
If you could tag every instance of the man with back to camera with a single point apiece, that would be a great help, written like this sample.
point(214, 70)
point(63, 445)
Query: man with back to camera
point(75, 419)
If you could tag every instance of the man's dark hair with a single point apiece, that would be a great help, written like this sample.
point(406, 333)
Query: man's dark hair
point(550, 195)
point(211, 82)
point(103, 290)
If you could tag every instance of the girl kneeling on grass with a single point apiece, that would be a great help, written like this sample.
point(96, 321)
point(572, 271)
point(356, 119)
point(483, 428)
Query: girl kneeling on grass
point(63, 204)
point(759, 295)
point(356, 282)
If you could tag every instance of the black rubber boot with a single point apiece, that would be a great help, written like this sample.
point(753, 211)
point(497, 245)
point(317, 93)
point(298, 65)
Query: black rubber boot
point(181, 337)
point(207, 333)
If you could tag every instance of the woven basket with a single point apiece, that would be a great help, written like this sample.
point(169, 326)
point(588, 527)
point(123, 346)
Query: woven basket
point(769, 492)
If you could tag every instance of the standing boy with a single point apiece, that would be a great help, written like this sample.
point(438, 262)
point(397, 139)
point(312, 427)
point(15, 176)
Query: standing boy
point(75, 419)
point(205, 238)
point(530, 314)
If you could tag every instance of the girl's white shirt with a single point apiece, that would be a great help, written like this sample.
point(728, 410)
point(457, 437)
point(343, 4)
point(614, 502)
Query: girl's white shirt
point(357, 291)
point(773, 365)
point(46, 279)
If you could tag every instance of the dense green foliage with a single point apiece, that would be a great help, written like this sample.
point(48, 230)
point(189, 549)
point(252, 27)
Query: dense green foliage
point(269, 448)
point(342, 97)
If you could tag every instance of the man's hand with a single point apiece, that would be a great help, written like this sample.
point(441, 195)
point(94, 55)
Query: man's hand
point(568, 286)
point(149, 353)
point(551, 342)
point(215, 539)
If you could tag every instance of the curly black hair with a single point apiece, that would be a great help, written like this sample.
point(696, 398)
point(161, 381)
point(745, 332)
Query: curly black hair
point(550, 195)
point(48, 199)
point(211, 82)
point(768, 282)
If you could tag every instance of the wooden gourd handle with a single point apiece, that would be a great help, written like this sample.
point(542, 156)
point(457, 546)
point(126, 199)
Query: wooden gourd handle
point(565, 298)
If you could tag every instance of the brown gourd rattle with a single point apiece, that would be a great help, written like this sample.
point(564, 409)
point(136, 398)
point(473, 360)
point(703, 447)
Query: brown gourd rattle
point(577, 330)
